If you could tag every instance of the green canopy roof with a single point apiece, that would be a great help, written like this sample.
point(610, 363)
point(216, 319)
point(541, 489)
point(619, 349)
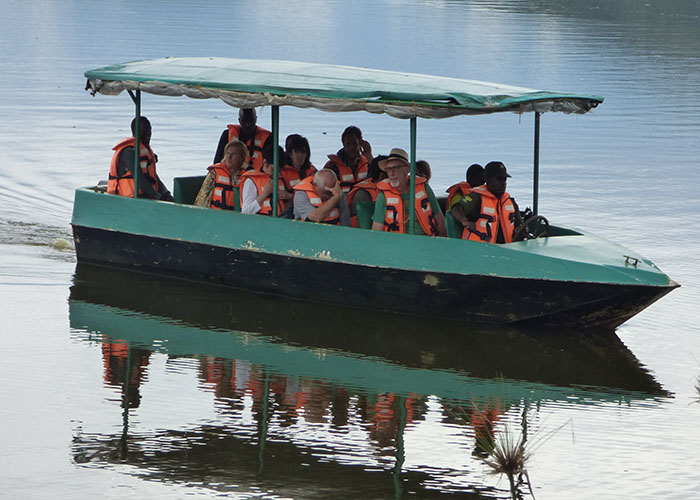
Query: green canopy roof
point(252, 83)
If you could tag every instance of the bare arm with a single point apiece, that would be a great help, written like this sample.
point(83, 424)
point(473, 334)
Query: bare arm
point(319, 214)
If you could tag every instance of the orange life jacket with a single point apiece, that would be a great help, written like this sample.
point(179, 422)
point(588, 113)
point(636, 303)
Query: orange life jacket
point(366, 185)
point(394, 215)
point(307, 186)
point(291, 176)
point(226, 194)
point(124, 185)
point(347, 177)
point(260, 179)
point(461, 187)
point(254, 145)
point(495, 213)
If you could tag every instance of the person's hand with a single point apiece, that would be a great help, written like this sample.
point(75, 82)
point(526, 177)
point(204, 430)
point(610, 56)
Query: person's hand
point(267, 189)
point(366, 149)
point(336, 191)
point(284, 194)
point(469, 225)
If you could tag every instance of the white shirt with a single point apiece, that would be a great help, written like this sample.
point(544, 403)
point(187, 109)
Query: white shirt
point(249, 199)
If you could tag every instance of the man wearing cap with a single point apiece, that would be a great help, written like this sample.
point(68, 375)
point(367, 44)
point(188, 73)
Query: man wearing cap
point(393, 201)
point(487, 212)
point(247, 131)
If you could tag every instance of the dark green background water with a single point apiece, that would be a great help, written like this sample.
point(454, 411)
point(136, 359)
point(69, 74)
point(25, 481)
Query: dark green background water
point(358, 406)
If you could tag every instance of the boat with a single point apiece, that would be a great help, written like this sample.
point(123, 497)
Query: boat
point(564, 277)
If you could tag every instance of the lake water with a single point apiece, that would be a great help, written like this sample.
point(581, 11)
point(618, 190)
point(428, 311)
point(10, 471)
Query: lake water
point(119, 385)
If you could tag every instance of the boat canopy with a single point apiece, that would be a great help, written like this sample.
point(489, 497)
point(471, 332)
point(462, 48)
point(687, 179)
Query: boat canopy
point(245, 83)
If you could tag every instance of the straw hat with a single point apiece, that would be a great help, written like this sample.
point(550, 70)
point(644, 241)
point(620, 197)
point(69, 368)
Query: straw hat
point(395, 154)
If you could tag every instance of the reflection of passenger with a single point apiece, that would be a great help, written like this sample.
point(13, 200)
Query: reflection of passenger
point(257, 187)
point(487, 212)
point(483, 419)
point(220, 188)
point(392, 205)
point(121, 171)
point(298, 161)
point(255, 138)
point(475, 177)
point(115, 357)
point(351, 162)
point(320, 199)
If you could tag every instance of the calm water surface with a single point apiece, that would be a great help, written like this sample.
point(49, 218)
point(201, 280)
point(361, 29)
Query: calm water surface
point(121, 385)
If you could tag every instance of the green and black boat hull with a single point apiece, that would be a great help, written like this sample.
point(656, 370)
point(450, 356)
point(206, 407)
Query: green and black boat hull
point(573, 279)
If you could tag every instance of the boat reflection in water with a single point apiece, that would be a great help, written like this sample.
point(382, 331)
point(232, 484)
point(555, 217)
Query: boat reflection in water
point(314, 400)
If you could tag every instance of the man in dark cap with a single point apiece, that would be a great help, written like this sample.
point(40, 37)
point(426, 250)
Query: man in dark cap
point(487, 212)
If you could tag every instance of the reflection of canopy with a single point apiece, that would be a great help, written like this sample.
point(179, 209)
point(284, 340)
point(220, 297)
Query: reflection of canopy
point(250, 83)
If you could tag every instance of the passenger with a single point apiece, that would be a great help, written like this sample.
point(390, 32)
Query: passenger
point(393, 202)
point(298, 165)
point(255, 138)
point(487, 212)
point(121, 170)
point(475, 177)
point(351, 163)
point(366, 191)
point(256, 187)
point(423, 169)
point(220, 188)
point(320, 199)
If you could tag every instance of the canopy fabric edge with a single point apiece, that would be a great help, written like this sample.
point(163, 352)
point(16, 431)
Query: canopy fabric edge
point(541, 102)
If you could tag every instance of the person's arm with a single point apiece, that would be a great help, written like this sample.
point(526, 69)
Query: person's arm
point(319, 214)
point(203, 198)
point(126, 164)
point(437, 211)
point(302, 205)
point(249, 199)
point(379, 213)
point(223, 140)
point(467, 210)
point(163, 191)
point(366, 150)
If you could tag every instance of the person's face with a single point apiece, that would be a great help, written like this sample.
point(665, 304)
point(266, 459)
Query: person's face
point(248, 119)
point(268, 168)
point(145, 133)
point(397, 172)
point(234, 158)
point(298, 158)
point(497, 185)
point(351, 144)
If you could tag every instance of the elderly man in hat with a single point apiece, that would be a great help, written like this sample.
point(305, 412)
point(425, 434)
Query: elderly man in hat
point(487, 212)
point(393, 201)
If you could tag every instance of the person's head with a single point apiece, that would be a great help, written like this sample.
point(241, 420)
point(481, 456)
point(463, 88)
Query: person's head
point(144, 130)
point(352, 141)
point(235, 155)
point(397, 168)
point(423, 169)
point(268, 157)
point(496, 177)
point(247, 119)
point(373, 171)
point(298, 151)
point(475, 175)
point(323, 181)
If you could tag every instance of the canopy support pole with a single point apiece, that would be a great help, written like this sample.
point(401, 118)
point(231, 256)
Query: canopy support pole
point(536, 165)
point(412, 189)
point(137, 141)
point(276, 159)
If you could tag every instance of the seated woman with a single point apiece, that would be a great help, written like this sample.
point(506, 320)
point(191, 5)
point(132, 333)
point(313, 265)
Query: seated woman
point(220, 188)
point(298, 165)
point(365, 192)
point(257, 187)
